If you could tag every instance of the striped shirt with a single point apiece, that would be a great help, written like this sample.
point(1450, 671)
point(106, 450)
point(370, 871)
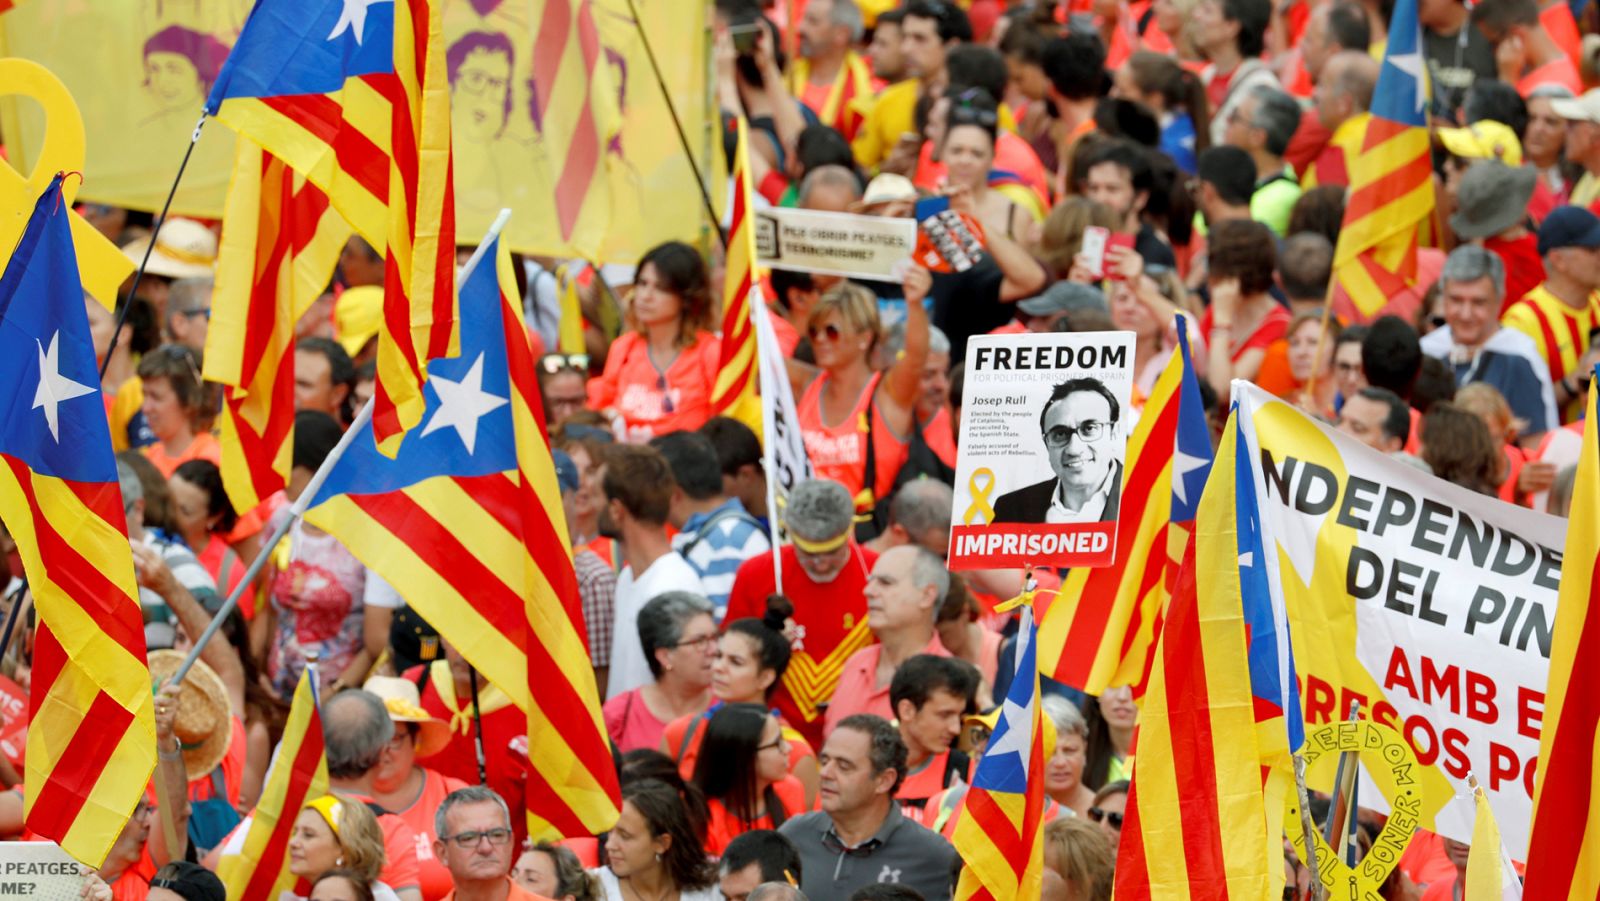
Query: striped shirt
point(597, 594)
point(1559, 331)
point(186, 569)
point(716, 544)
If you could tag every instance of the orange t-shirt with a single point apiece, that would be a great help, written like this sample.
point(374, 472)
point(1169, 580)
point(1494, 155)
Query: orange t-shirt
point(134, 883)
point(723, 827)
point(435, 877)
point(839, 452)
point(686, 753)
point(653, 402)
point(203, 447)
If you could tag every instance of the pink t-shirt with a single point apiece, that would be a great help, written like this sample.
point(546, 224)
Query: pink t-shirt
point(858, 690)
point(630, 723)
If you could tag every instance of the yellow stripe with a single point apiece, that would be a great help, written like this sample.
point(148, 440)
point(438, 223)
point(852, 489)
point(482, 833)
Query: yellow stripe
point(115, 794)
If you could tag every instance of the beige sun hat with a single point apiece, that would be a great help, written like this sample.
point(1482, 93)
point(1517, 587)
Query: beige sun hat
point(203, 723)
point(405, 706)
point(184, 249)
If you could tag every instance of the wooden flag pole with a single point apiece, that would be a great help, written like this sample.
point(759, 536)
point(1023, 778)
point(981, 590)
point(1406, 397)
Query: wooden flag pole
point(1308, 827)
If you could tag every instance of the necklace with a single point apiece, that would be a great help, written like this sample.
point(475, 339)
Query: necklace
point(640, 895)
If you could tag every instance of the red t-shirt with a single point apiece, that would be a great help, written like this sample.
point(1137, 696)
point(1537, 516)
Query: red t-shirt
point(1524, 266)
point(653, 402)
point(1310, 137)
point(1217, 87)
point(833, 623)
point(1273, 326)
point(459, 759)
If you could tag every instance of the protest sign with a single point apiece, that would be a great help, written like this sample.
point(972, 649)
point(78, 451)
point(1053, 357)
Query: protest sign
point(1429, 604)
point(784, 450)
point(869, 247)
point(1044, 427)
point(39, 870)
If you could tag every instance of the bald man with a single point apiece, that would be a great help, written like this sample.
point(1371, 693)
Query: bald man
point(1342, 99)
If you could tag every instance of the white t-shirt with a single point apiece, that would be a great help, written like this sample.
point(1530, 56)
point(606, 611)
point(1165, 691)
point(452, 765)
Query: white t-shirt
point(612, 889)
point(670, 572)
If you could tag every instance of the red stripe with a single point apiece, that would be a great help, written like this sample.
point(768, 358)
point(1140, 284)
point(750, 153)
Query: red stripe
point(1569, 785)
point(584, 153)
point(79, 580)
point(1132, 870)
point(549, 45)
point(323, 117)
point(304, 770)
point(1552, 348)
point(1373, 196)
point(1004, 835)
point(65, 788)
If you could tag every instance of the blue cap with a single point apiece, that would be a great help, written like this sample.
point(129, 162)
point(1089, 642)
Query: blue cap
point(1569, 226)
point(566, 471)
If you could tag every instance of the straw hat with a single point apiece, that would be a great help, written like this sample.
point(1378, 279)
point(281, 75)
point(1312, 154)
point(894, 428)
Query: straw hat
point(405, 706)
point(202, 725)
point(184, 249)
point(357, 316)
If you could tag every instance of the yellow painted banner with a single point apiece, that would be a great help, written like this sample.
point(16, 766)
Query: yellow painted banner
point(142, 89)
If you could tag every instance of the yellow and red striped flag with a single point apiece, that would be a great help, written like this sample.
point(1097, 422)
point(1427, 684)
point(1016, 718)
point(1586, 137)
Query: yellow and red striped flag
point(1001, 834)
point(354, 95)
point(852, 87)
point(280, 242)
point(259, 871)
point(734, 393)
point(1196, 825)
point(1102, 629)
point(1391, 183)
point(91, 726)
point(466, 522)
point(1491, 876)
point(1564, 847)
point(579, 128)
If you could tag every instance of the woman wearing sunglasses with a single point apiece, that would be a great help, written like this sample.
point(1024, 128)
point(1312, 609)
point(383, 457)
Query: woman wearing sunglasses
point(968, 149)
point(848, 412)
point(658, 377)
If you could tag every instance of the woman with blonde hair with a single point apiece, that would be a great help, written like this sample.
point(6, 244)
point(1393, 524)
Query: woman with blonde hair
point(1061, 236)
point(1081, 855)
point(335, 832)
point(855, 422)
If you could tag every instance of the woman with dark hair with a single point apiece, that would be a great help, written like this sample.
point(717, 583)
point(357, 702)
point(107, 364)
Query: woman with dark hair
point(553, 871)
point(1243, 318)
point(744, 774)
point(653, 853)
point(1457, 446)
point(659, 375)
point(967, 150)
point(752, 657)
point(646, 763)
point(1178, 99)
point(205, 519)
point(1109, 803)
point(1111, 718)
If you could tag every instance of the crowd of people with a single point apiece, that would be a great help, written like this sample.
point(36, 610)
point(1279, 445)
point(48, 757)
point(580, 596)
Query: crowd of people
point(817, 741)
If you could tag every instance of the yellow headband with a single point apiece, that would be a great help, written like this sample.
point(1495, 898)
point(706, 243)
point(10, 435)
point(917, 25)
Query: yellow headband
point(331, 809)
point(820, 547)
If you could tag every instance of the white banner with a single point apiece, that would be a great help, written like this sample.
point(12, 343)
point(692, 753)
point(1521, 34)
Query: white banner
point(1429, 604)
point(869, 247)
point(39, 870)
point(782, 447)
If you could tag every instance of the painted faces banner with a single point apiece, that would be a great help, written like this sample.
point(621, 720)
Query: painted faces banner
point(1044, 427)
point(1428, 604)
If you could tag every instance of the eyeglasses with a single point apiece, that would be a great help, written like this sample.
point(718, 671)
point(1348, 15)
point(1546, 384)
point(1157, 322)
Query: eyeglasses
point(702, 643)
point(469, 840)
point(775, 743)
point(554, 363)
point(180, 352)
point(1101, 816)
point(965, 111)
point(829, 331)
point(1088, 430)
point(203, 311)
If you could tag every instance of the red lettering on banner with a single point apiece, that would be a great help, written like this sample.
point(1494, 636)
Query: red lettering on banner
point(1384, 714)
point(1530, 718)
point(1419, 723)
point(1503, 765)
point(1399, 673)
point(1455, 751)
point(1480, 699)
point(1438, 684)
point(1319, 701)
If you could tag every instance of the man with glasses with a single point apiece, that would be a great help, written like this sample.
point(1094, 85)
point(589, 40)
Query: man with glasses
point(189, 312)
point(563, 379)
point(1078, 426)
point(474, 829)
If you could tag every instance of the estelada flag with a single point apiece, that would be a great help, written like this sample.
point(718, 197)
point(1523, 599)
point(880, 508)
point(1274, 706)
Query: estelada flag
point(354, 95)
point(91, 733)
point(466, 522)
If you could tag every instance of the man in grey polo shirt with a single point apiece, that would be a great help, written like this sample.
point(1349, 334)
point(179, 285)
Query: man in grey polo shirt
point(859, 837)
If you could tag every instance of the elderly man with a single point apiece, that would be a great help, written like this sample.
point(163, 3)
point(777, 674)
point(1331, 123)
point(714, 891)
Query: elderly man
point(1263, 124)
point(1582, 145)
point(1472, 285)
point(919, 515)
point(1078, 427)
point(903, 596)
point(1332, 27)
point(829, 75)
point(859, 837)
point(1343, 96)
point(824, 575)
point(756, 858)
point(474, 829)
point(189, 311)
point(1561, 314)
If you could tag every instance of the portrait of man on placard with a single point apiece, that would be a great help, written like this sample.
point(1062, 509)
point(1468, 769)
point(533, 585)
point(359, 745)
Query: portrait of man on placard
point(1078, 427)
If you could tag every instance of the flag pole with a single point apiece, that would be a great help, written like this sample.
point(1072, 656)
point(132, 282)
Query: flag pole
point(138, 275)
point(298, 509)
point(677, 123)
point(1308, 827)
point(477, 726)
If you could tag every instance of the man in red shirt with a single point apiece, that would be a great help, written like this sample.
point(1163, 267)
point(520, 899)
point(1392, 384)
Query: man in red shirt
point(824, 574)
point(907, 587)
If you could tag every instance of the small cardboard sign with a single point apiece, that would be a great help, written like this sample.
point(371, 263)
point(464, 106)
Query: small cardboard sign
point(866, 247)
point(39, 871)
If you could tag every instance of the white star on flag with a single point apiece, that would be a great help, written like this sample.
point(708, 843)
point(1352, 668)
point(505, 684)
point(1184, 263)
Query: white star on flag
point(1411, 64)
point(353, 18)
point(54, 388)
point(1182, 465)
point(1015, 738)
point(462, 404)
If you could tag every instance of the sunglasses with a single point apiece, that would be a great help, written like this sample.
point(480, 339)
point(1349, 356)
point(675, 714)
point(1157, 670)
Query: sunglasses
point(1101, 816)
point(554, 363)
point(829, 331)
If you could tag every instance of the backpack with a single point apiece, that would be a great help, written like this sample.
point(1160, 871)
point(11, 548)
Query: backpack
point(211, 820)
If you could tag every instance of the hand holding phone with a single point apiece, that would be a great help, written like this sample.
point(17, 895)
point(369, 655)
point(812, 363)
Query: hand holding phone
point(1092, 251)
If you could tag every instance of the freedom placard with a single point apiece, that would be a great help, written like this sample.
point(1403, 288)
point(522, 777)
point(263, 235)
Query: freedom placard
point(869, 247)
point(39, 870)
point(1429, 604)
point(1044, 427)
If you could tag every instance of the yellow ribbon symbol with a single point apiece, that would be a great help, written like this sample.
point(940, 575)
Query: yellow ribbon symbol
point(980, 496)
point(100, 264)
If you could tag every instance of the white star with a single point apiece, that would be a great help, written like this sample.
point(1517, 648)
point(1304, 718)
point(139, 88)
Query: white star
point(1247, 559)
point(1182, 465)
point(53, 386)
point(353, 18)
point(1015, 738)
point(462, 404)
point(1411, 64)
